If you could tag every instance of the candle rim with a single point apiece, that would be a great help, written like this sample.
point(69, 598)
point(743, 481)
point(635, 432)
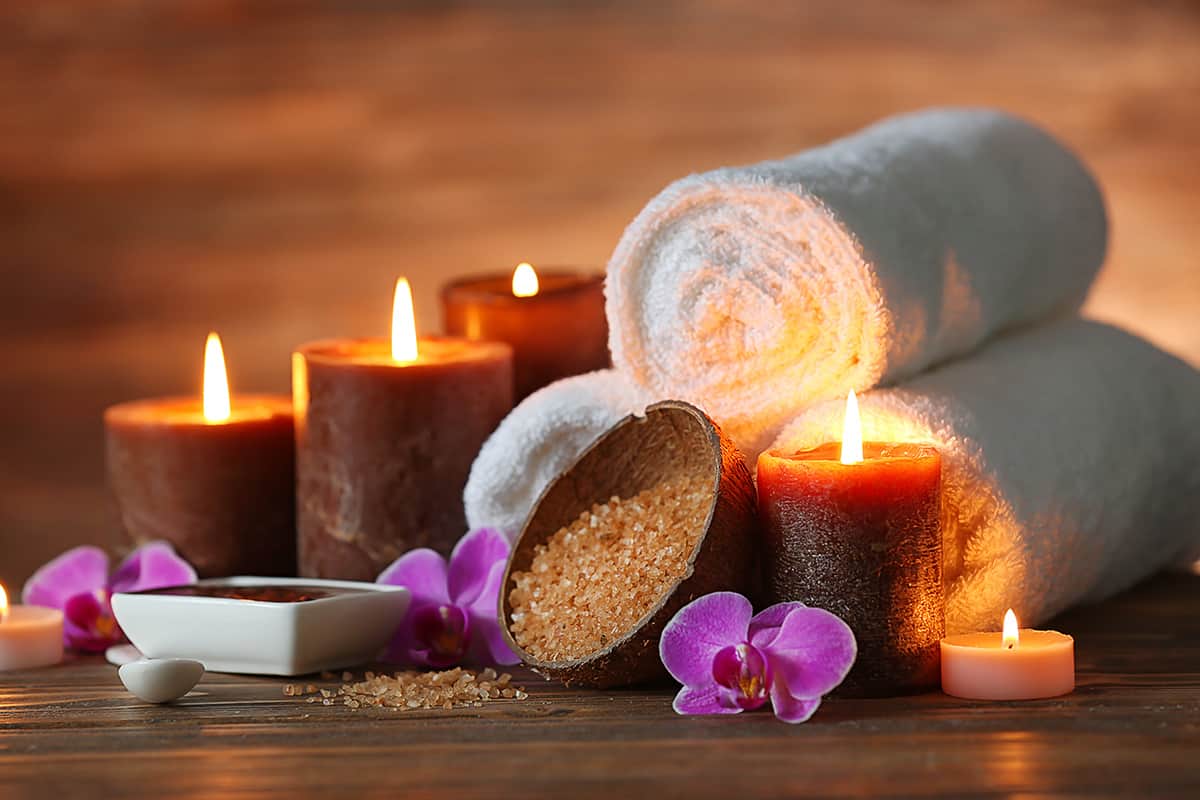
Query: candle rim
point(873, 452)
point(496, 288)
point(379, 351)
point(175, 410)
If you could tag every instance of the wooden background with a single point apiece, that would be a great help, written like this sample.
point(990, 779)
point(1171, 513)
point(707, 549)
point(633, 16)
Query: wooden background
point(267, 168)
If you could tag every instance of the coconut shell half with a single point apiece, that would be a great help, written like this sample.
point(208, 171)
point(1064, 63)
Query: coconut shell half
point(672, 440)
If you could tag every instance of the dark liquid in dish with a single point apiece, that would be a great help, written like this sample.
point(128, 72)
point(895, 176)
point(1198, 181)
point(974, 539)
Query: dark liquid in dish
point(262, 594)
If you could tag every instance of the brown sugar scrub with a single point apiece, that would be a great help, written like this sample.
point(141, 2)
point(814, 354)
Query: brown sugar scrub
point(606, 570)
point(408, 691)
point(658, 511)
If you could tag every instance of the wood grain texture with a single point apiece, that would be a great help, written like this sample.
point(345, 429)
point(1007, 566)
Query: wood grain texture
point(266, 168)
point(1131, 729)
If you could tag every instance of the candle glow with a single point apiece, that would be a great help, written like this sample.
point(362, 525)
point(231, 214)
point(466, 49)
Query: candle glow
point(404, 324)
point(3, 603)
point(216, 382)
point(852, 446)
point(1012, 634)
point(524, 281)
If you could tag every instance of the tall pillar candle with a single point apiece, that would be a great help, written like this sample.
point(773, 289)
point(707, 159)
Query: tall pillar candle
point(860, 535)
point(385, 437)
point(214, 475)
point(554, 321)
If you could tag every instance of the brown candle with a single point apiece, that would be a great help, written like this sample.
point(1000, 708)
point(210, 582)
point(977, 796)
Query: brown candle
point(385, 438)
point(860, 535)
point(554, 321)
point(213, 476)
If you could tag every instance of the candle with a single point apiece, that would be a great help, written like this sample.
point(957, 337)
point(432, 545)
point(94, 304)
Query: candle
point(214, 474)
point(1008, 665)
point(554, 321)
point(30, 636)
point(386, 433)
point(854, 529)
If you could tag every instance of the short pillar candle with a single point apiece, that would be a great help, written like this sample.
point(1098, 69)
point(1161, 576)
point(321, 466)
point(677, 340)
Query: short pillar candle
point(861, 537)
point(553, 320)
point(385, 437)
point(30, 636)
point(214, 475)
point(1008, 665)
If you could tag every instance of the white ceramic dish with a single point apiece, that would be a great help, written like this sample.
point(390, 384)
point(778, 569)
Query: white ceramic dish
point(260, 637)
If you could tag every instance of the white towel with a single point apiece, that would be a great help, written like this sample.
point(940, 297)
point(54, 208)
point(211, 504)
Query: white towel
point(1071, 466)
point(539, 439)
point(756, 291)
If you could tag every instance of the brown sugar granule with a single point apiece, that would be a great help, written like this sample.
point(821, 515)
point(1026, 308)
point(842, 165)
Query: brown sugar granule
point(594, 579)
point(455, 688)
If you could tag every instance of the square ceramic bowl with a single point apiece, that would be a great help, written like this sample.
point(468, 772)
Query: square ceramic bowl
point(324, 625)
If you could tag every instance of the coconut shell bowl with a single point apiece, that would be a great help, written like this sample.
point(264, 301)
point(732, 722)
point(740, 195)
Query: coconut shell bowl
point(673, 443)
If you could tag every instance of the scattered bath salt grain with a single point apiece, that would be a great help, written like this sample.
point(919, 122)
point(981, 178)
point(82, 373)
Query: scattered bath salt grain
point(594, 579)
point(455, 688)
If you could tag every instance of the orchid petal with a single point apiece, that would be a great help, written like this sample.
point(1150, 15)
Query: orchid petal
point(702, 700)
point(488, 642)
point(698, 631)
point(422, 572)
point(81, 570)
point(88, 622)
point(791, 709)
point(812, 652)
point(472, 561)
point(766, 623)
point(152, 566)
point(404, 643)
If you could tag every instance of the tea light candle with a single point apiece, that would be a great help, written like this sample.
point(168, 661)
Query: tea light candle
point(386, 433)
point(214, 475)
point(1009, 665)
point(30, 636)
point(554, 321)
point(854, 528)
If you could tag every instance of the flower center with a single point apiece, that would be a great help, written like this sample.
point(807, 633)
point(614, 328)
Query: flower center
point(742, 671)
point(443, 630)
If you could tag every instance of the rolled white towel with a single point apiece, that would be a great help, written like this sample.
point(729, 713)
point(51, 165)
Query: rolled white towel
point(1071, 465)
point(538, 440)
point(756, 291)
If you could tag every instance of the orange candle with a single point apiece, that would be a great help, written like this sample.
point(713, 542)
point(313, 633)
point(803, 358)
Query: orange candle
point(30, 636)
point(1009, 665)
point(854, 528)
point(386, 433)
point(214, 475)
point(554, 321)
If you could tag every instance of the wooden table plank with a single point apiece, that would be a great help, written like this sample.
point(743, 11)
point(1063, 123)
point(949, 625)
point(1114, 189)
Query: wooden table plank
point(1132, 728)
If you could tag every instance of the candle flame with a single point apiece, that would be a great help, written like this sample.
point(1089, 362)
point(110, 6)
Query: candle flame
point(524, 281)
point(404, 323)
point(3, 603)
point(216, 381)
point(1012, 634)
point(852, 447)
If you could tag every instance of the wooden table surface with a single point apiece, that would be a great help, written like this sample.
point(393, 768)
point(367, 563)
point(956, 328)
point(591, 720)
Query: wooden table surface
point(1131, 729)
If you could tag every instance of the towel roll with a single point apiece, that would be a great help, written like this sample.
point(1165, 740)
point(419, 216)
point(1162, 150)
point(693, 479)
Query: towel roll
point(756, 291)
point(1071, 466)
point(540, 438)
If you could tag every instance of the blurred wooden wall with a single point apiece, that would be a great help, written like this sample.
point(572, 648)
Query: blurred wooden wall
point(265, 169)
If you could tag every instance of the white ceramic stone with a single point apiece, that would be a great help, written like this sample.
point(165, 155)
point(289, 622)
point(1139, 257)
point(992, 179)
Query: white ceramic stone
point(121, 654)
point(161, 680)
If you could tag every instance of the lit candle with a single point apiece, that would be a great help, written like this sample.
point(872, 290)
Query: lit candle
point(1008, 665)
point(554, 321)
point(30, 636)
point(213, 474)
point(386, 432)
point(853, 527)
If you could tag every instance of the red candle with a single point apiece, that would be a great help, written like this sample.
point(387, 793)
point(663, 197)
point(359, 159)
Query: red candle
point(213, 475)
point(854, 528)
point(554, 321)
point(385, 436)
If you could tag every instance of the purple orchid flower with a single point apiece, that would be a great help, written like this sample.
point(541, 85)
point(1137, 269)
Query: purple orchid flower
point(728, 661)
point(78, 583)
point(453, 615)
